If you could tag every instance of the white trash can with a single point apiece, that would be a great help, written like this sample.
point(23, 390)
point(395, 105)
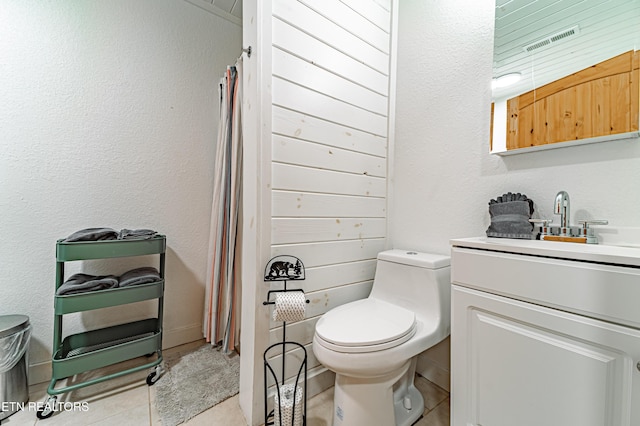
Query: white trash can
point(15, 332)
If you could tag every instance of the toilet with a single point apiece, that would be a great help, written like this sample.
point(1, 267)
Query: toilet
point(372, 344)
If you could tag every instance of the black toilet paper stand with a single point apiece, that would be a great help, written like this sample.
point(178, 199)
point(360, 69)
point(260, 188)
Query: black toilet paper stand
point(284, 268)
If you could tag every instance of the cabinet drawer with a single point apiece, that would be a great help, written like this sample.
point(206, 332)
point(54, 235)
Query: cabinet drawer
point(596, 290)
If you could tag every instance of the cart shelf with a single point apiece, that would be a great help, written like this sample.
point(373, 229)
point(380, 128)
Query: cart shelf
point(85, 250)
point(106, 346)
point(67, 304)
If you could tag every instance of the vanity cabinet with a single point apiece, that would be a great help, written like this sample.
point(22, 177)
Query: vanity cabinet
point(543, 336)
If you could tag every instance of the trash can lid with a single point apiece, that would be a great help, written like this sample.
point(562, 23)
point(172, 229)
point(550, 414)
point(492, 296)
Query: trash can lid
point(10, 324)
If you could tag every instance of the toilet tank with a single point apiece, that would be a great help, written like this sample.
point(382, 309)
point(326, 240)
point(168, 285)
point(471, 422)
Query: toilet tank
point(417, 281)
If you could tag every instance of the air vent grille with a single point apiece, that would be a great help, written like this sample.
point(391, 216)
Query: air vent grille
point(562, 35)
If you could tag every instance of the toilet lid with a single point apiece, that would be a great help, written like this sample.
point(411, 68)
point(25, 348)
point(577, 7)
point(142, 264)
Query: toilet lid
point(368, 323)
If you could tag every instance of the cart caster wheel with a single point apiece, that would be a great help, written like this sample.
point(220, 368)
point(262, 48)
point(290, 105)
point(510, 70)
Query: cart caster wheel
point(47, 411)
point(152, 379)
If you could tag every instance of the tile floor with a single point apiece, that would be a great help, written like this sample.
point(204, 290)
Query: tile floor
point(128, 401)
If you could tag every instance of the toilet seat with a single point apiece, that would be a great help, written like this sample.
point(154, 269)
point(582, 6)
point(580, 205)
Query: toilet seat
point(365, 326)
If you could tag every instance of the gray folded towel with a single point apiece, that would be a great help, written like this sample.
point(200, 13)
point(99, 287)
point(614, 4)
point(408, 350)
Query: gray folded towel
point(81, 283)
point(144, 275)
point(143, 234)
point(510, 216)
point(93, 234)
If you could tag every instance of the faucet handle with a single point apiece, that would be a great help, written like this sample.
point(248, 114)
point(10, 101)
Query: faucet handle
point(543, 224)
point(585, 223)
point(587, 232)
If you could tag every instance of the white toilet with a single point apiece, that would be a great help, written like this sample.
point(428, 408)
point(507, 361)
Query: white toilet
point(372, 344)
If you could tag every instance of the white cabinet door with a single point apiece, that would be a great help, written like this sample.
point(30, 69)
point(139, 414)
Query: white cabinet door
point(516, 363)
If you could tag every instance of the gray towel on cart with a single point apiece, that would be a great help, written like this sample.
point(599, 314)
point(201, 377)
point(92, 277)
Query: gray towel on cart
point(144, 275)
point(81, 283)
point(93, 234)
point(132, 234)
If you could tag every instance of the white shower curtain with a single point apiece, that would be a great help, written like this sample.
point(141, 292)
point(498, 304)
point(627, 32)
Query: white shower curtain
point(222, 304)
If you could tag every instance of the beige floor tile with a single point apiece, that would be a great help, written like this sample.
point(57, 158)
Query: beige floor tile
point(226, 413)
point(432, 394)
point(321, 399)
point(128, 400)
point(320, 409)
point(153, 409)
point(135, 417)
point(71, 417)
point(21, 418)
point(99, 405)
point(439, 416)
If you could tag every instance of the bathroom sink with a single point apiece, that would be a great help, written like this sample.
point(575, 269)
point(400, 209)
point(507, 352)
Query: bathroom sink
point(628, 245)
point(611, 252)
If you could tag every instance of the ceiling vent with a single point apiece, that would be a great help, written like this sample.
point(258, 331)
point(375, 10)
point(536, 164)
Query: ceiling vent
point(554, 38)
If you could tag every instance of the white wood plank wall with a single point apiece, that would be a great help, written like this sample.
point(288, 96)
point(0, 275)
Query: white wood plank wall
point(330, 89)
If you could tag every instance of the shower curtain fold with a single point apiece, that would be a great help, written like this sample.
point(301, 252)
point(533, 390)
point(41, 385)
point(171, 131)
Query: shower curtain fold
point(222, 290)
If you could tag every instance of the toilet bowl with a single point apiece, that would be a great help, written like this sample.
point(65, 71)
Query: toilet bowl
point(372, 344)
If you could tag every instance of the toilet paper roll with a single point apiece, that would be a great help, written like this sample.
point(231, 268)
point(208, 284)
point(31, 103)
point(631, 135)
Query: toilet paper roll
point(289, 306)
point(291, 410)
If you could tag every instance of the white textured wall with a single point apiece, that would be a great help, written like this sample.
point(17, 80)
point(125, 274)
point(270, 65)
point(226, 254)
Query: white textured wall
point(108, 117)
point(444, 174)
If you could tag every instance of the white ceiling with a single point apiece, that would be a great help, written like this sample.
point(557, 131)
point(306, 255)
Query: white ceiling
point(606, 28)
point(233, 7)
point(228, 9)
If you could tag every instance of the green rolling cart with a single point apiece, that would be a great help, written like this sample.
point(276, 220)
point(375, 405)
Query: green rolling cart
point(90, 350)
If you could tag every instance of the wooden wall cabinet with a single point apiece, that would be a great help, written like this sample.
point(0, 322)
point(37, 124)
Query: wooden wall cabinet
point(598, 102)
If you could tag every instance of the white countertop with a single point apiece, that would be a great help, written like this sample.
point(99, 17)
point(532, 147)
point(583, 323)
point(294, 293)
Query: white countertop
point(601, 253)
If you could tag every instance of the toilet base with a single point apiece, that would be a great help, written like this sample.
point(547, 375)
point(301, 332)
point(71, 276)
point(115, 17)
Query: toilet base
point(389, 400)
point(407, 417)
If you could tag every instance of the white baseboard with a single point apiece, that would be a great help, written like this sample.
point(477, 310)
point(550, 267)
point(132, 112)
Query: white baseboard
point(319, 379)
point(39, 373)
point(180, 336)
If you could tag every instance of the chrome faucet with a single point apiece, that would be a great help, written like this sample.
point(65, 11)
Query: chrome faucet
point(561, 207)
